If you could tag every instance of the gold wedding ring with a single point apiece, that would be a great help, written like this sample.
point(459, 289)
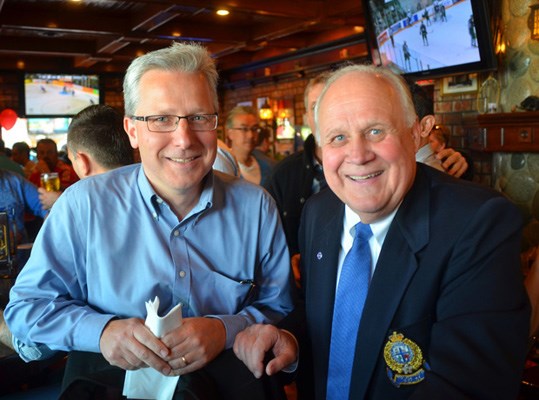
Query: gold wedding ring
point(184, 361)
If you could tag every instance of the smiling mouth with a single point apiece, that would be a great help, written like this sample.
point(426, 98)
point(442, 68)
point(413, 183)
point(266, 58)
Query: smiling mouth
point(181, 160)
point(364, 177)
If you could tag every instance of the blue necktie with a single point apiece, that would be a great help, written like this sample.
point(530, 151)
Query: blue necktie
point(349, 300)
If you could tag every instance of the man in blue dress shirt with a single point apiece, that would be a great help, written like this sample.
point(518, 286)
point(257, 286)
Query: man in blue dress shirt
point(168, 227)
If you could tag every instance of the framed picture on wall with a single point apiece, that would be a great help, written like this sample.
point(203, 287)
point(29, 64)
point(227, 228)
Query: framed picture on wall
point(459, 84)
point(245, 104)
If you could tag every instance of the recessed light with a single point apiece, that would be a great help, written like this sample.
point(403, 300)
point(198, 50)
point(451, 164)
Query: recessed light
point(222, 12)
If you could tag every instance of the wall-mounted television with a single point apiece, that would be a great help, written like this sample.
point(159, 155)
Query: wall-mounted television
point(59, 95)
point(430, 38)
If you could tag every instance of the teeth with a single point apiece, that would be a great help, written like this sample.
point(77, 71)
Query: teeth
point(364, 177)
point(182, 160)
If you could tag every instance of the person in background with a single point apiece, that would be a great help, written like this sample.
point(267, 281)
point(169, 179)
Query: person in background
point(434, 263)
point(96, 143)
point(150, 230)
point(18, 195)
point(437, 139)
point(48, 161)
point(242, 129)
point(7, 163)
point(425, 113)
point(263, 143)
point(295, 178)
point(225, 160)
point(20, 153)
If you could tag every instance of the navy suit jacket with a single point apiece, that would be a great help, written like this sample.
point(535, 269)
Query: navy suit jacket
point(448, 278)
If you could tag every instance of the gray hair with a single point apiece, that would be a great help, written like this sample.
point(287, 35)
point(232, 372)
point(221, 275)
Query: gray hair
point(181, 57)
point(392, 78)
point(239, 110)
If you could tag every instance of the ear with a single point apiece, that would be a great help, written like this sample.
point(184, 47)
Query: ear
point(417, 132)
point(426, 124)
point(131, 130)
point(84, 164)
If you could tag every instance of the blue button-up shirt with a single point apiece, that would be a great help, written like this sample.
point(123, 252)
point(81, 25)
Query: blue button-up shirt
point(111, 243)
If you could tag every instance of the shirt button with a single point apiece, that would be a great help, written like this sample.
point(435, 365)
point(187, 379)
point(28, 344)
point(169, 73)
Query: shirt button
point(182, 274)
point(176, 233)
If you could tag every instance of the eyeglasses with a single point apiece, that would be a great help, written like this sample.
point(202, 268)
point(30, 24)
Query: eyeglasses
point(244, 129)
point(169, 123)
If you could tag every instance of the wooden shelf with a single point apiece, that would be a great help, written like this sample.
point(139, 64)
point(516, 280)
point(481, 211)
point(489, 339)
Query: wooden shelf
point(504, 132)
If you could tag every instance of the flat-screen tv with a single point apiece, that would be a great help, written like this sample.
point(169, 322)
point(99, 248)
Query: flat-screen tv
point(59, 95)
point(430, 38)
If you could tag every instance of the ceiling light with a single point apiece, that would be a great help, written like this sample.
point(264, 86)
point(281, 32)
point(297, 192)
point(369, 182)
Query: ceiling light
point(359, 29)
point(222, 12)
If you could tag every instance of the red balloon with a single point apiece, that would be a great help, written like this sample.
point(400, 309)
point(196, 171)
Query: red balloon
point(8, 117)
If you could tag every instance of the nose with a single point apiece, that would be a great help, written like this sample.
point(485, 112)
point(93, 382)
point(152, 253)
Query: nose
point(251, 134)
point(182, 136)
point(360, 151)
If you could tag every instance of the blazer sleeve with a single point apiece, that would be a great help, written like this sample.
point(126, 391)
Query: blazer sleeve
point(478, 340)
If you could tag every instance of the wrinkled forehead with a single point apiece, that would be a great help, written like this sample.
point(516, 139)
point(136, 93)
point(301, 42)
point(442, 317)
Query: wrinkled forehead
point(361, 88)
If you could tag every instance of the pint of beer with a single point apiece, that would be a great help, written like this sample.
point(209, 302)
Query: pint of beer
point(50, 181)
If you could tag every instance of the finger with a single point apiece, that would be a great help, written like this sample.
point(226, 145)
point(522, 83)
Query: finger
point(150, 351)
point(251, 355)
point(147, 338)
point(285, 353)
point(278, 363)
point(185, 365)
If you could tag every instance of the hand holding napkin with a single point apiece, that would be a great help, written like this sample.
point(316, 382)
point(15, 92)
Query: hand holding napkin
point(147, 383)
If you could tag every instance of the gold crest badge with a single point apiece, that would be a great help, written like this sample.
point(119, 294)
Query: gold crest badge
point(404, 360)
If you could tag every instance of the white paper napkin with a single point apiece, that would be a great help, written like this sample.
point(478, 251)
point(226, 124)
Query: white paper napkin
point(148, 383)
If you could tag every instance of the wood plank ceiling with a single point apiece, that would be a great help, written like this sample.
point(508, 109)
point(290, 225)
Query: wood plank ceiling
point(105, 35)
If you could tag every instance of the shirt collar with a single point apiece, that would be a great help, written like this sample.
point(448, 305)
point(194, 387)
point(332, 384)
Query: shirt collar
point(154, 201)
point(379, 228)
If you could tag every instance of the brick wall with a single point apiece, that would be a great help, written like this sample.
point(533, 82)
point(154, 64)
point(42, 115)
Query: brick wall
point(292, 90)
point(9, 90)
point(450, 111)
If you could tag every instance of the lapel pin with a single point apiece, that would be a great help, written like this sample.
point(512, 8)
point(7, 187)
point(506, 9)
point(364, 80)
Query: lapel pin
point(319, 255)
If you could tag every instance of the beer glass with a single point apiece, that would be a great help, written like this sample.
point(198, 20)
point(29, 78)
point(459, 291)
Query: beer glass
point(50, 181)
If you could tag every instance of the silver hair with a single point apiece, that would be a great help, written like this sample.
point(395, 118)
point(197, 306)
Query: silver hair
point(239, 110)
point(392, 78)
point(181, 57)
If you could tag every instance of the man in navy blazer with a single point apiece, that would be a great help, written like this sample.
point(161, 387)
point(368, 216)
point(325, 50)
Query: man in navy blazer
point(446, 314)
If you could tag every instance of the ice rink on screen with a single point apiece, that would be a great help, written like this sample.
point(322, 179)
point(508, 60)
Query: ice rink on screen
point(44, 98)
point(449, 42)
